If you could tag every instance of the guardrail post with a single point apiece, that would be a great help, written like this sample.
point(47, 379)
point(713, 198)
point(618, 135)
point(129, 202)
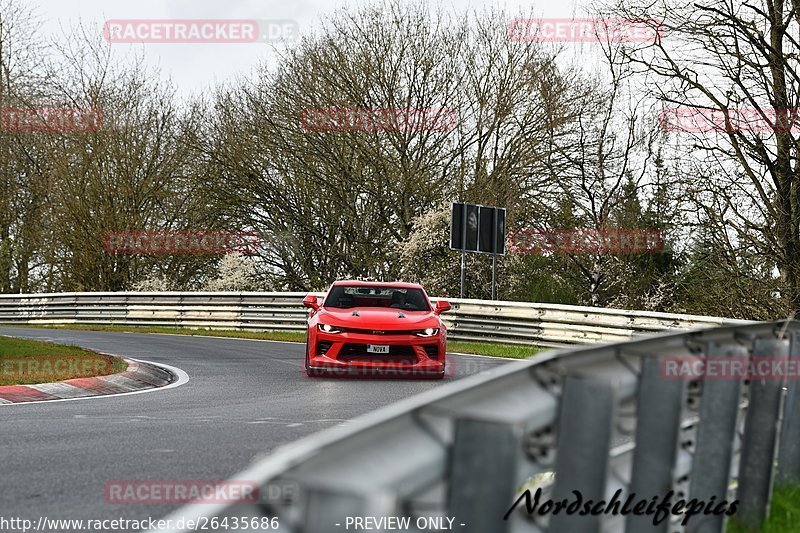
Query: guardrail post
point(483, 463)
point(658, 422)
point(756, 465)
point(179, 314)
point(789, 454)
point(327, 509)
point(127, 307)
point(240, 312)
point(711, 464)
point(584, 437)
point(324, 508)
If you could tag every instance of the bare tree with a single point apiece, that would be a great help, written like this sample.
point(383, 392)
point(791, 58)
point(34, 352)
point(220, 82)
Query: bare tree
point(603, 172)
point(22, 194)
point(338, 203)
point(740, 60)
point(133, 173)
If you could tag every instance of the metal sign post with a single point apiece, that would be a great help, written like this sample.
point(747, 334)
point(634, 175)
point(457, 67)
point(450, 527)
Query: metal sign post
point(494, 254)
point(480, 229)
point(463, 252)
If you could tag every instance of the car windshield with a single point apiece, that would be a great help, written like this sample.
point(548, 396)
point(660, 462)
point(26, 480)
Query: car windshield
point(346, 297)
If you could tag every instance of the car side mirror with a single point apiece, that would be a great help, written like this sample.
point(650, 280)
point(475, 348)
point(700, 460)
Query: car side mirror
point(311, 302)
point(443, 306)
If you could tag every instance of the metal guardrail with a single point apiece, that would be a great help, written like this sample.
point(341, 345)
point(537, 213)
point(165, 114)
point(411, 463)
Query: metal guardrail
point(478, 320)
point(599, 418)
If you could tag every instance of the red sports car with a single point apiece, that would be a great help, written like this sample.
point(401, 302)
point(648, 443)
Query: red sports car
point(372, 328)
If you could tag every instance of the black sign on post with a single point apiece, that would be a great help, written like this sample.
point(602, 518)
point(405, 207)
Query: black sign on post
point(478, 228)
point(486, 241)
point(464, 225)
point(485, 229)
point(473, 225)
point(492, 230)
point(500, 232)
point(457, 227)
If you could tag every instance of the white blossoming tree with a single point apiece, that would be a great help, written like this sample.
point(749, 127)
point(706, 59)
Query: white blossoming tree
point(235, 273)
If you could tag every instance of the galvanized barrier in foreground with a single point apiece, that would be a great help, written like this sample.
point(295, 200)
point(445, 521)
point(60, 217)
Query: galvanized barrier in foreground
point(600, 419)
point(471, 320)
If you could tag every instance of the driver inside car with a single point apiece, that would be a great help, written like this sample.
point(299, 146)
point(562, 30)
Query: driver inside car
point(398, 300)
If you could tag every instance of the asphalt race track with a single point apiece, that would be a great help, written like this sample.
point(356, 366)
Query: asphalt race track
point(243, 399)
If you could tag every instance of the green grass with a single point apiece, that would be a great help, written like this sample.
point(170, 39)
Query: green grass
point(784, 516)
point(511, 351)
point(287, 336)
point(24, 361)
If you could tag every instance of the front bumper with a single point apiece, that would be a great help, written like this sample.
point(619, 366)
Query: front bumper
point(346, 353)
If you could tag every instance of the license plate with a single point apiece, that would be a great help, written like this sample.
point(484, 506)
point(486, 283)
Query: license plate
point(377, 348)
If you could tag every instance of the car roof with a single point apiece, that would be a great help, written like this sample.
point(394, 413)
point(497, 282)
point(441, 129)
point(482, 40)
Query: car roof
point(361, 283)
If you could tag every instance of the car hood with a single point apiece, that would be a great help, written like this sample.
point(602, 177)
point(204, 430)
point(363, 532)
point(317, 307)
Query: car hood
point(377, 318)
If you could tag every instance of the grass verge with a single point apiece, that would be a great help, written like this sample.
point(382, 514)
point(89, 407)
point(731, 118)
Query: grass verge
point(24, 361)
point(510, 351)
point(784, 515)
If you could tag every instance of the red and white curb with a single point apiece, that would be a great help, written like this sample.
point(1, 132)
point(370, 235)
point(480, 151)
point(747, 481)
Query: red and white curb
point(140, 376)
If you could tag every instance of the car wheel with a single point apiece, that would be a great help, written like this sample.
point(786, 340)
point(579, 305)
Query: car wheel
point(308, 366)
point(311, 372)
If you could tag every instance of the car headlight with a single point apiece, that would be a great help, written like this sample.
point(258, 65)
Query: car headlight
point(430, 332)
point(327, 328)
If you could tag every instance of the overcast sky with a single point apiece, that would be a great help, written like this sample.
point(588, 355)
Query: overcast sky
point(196, 67)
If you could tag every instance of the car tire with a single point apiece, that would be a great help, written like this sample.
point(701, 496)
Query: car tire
point(309, 371)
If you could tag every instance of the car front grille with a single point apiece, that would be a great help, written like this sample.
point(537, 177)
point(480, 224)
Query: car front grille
point(397, 354)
